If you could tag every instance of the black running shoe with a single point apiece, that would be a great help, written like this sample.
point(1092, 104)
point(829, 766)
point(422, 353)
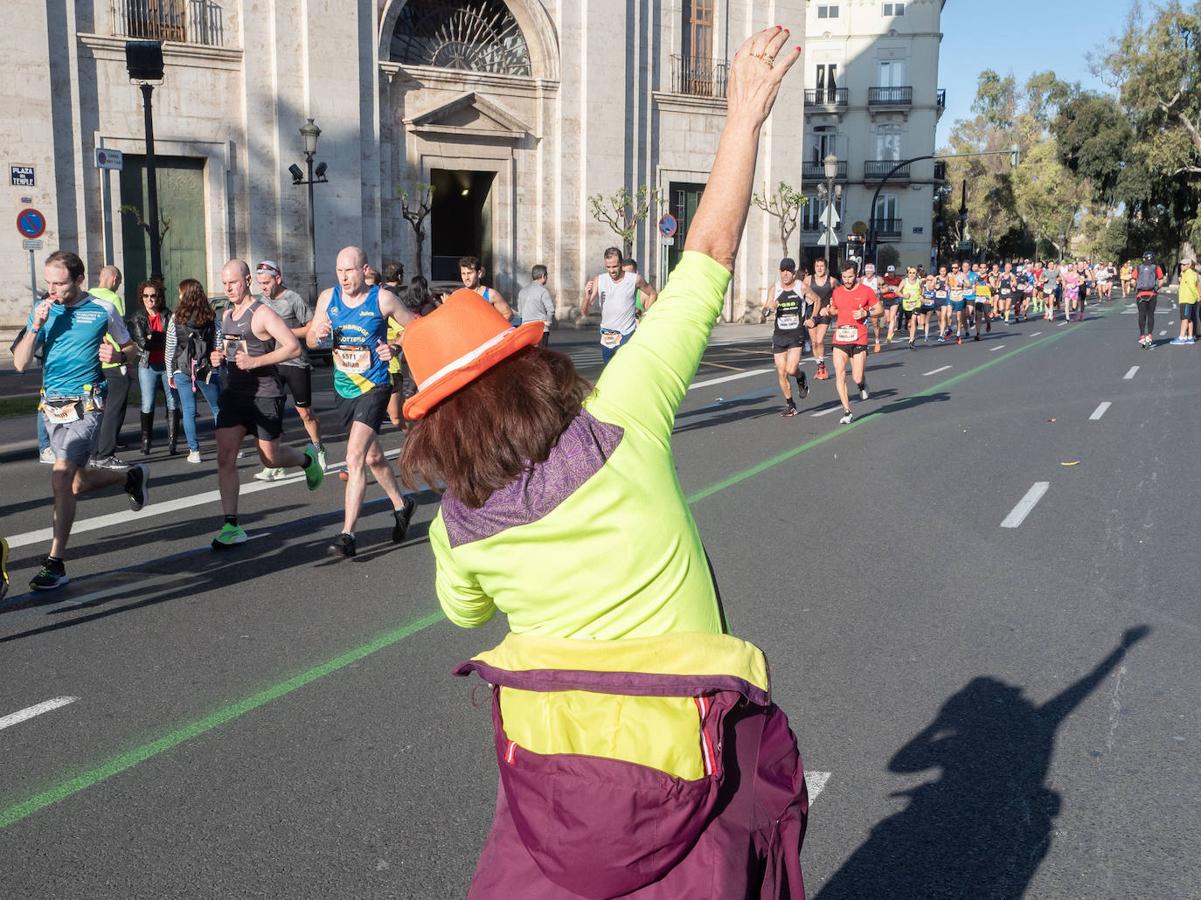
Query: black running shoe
point(789, 412)
point(137, 485)
point(402, 517)
point(802, 384)
point(343, 546)
point(53, 575)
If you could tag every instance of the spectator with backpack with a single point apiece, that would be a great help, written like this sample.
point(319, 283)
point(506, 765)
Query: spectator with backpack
point(1148, 278)
point(192, 335)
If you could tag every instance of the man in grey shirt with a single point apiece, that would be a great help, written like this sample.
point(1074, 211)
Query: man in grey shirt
point(296, 373)
point(535, 303)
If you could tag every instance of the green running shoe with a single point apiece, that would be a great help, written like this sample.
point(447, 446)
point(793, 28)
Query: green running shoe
point(314, 471)
point(229, 536)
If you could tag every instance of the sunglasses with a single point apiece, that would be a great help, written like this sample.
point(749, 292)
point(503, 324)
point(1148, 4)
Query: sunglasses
point(150, 296)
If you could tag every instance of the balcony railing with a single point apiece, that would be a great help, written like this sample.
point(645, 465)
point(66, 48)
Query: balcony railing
point(886, 228)
point(816, 171)
point(184, 21)
point(877, 169)
point(940, 170)
point(827, 98)
point(890, 96)
point(697, 76)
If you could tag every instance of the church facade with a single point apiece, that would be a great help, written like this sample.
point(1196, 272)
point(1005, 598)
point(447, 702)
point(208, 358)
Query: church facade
point(504, 118)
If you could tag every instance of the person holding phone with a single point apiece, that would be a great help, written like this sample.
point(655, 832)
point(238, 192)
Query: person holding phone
point(71, 325)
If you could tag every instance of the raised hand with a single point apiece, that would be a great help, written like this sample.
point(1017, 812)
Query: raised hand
point(756, 73)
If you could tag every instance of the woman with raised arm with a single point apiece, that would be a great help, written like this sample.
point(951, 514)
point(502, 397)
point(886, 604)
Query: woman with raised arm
point(640, 754)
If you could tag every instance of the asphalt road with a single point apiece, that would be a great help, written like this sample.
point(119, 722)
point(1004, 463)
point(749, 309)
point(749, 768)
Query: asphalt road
point(272, 723)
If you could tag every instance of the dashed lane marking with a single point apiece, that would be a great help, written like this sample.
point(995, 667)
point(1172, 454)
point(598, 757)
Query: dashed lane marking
point(29, 712)
point(826, 412)
point(935, 371)
point(1024, 506)
point(725, 378)
point(815, 783)
point(1129, 376)
point(1100, 411)
point(1036, 334)
point(995, 349)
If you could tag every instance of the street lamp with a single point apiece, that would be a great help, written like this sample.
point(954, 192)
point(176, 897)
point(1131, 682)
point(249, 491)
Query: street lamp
point(831, 193)
point(144, 62)
point(309, 132)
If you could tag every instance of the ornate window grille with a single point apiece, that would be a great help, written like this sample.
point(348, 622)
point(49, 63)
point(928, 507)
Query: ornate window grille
point(469, 35)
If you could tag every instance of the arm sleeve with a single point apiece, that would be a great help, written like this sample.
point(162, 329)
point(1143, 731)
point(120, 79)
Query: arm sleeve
point(459, 593)
point(303, 314)
point(116, 326)
point(169, 353)
point(646, 381)
point(548, 304)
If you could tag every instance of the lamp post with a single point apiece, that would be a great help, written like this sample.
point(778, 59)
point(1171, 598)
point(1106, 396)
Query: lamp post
point(832, 193)
point(309, 132)
point(144, 62)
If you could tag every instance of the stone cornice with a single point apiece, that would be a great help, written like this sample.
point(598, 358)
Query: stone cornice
point(689, 103)
point(174, 53)
point(435, 76)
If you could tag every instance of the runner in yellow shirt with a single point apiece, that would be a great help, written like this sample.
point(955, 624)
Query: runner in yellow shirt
point(911, 303)
point(1189, 296)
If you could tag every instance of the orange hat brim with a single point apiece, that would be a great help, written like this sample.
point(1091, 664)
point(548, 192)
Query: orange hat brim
point(525, 335)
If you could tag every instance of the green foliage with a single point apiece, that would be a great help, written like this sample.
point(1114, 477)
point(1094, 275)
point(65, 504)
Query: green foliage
point(1093, 137)
point(784, 204)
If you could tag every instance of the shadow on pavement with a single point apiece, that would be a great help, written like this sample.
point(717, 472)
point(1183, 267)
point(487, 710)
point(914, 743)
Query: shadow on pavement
point(984, 827)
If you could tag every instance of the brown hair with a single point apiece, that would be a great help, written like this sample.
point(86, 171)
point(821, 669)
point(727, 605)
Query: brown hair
point(68, 260)
point(161, 303)
point(485, 435)
point(194, 307)
point(471, 262)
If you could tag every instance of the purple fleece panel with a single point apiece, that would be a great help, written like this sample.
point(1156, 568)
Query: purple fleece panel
point(635, 684)
point(582, 449)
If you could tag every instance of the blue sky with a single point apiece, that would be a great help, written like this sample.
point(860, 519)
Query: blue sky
point(1020, 37)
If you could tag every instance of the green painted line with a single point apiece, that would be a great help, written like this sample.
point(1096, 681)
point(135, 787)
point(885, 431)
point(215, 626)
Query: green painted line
point(123, 761)
point(131, 758)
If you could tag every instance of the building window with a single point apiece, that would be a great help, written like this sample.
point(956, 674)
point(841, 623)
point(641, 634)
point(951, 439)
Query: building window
point(468, 35)
point(698, 29)
point(888, 142)
point(185, 21)
point(894, 9)
point(828, 11)
point(825, 142)
point(892, 73)
point(886, 208)
point(827, 82)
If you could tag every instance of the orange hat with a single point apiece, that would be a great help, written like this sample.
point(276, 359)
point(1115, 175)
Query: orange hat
point(456, 344)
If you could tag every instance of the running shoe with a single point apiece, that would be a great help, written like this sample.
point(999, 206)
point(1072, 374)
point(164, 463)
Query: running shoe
point(53, 574)
point(863, 394)
point(988, 325)
point(46, 456)
point(977, 337)
point(958, 339)
point(403, 516)
point(821, 374)
point(913, 345)
point(941, 339)
point(876, 349)
point(344, 475)
point(1178, 341)
point(846, 418)
point(112, 461)
point(229, 536)
point(269, 474)
point(789, 412)
point(343, 546)
point(802, 384)
point(194, 457)
point(314, 471)
point(3, 567)
point(137, 485)
point(321, 455)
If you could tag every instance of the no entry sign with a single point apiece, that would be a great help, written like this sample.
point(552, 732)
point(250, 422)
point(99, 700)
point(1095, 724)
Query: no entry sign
point(31, 223)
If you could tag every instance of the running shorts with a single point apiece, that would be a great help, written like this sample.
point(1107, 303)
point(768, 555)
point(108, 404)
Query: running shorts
point(262, 417)
point(299, 380)
point(958, 305)
point(74, 442)
point(781, 343)
point(851, 349)
point(983, 305)
point(369, 408)
point(926, 310)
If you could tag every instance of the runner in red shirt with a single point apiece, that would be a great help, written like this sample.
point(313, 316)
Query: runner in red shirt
point(852, 304)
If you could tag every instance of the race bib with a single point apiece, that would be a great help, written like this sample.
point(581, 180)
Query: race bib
point(846, 334)
point(788, 323)
point(61, 412)
point(1005, 292)
point(352, 360)
point(941, 295)
point(611, 339)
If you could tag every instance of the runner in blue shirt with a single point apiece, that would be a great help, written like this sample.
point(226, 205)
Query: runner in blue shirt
point(71, 326)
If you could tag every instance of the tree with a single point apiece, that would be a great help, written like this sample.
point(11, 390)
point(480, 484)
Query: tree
point(1048, 198)
point(416, 209)
point(624, 211)
point(1094, 136)
point(784, 204)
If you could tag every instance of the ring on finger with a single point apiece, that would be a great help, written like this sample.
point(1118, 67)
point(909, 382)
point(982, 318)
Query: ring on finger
point(763, 56)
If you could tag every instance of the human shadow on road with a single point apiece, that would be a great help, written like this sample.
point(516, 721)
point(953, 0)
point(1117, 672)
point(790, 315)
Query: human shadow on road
point(983, 828)
point(907, 403)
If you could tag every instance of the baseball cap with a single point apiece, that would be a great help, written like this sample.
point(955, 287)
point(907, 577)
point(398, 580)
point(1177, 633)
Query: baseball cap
point(269, 265)
point(892, 268)
point(788, 264)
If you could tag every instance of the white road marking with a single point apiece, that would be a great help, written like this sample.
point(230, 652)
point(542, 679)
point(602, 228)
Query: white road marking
point(1036, 334)
point(1018, 514)
point(826, 412)
point(815, 783)
point(30, 711)
point(168, 506)
point(1129, 312)
point(935, 371)
point(1061, 324)
point(995, 349)
point(725, 378)
point(1129, 376)
point(1162, 333)
point(1100, 411)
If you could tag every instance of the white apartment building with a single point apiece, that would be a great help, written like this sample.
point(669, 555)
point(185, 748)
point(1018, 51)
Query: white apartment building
point(872, 99)
point(516, 111)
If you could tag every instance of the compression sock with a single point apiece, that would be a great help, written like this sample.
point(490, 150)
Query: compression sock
point(231, 520)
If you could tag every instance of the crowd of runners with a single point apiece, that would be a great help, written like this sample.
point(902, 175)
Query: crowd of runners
point(862, 312)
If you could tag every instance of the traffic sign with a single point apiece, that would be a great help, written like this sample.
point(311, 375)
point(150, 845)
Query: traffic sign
point(669, 242)
point(830, 218)
point(828, 239)
point(31, 245)
point(109, 159)
point(668, 225)
point(31, 223)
